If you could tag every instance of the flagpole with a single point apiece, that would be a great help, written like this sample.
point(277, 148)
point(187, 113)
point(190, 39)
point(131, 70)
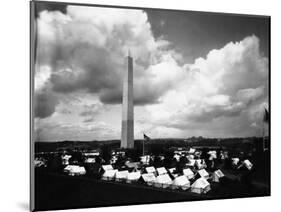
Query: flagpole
point(143, 146)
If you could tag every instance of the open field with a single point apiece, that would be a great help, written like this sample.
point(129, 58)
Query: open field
point(55, 191)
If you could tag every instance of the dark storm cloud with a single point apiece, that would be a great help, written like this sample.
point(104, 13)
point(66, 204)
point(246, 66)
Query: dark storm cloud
point(143, 95)
point(199, 32)
point(90, 69)
point(45, 104)
point(86, 54)
point(56, 6)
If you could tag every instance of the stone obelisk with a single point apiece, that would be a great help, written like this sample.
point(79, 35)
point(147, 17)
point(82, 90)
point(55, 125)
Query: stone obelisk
point(127, 134)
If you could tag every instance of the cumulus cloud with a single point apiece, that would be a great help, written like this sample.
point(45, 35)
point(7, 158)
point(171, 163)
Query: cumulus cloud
point(82, 51)
point(224, 86)
point(85, 49)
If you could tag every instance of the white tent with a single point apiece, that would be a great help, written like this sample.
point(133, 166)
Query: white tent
point(212, 155)
point(200, 164)
point(217, 175)
point(181, 182)
point(150, 169)
point(109, 174)
point(133, 176)
point(65, 159)
point(191, 162)
point(149, 178)
point(172, 172)
point(145, 159)
point(68, 168)
point(161, 170)
point(248, 164)
point(190, 157)
point(121, 175)
point(235, 161)
point(203, 173)
point(39, 162)
point(188, 173)
point(177, 157)
point(200, 186)
point(90, 160)
point(75, 170)
point(106, 167)
point(163, 181)
point(191, 150)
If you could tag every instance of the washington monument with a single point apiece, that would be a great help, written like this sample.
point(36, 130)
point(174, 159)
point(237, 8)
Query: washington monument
point(127, 134)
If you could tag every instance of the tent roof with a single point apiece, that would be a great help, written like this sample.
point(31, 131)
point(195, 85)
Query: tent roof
point(191, 162)
point(200, 183)
point(164, 178)
point(90, 160)
point(148, 177)
point(75, 168)
point(192, 150)
point(203, 173)
point(134, 175)
point(110, 173)
point(181, 180)
point(161, 170)
point(171, 170)
point(122, 174)
point(150, 169)
point(107, 167)
point(219, 173)
point(187, 172)
point(66, 157)
point(248, 164)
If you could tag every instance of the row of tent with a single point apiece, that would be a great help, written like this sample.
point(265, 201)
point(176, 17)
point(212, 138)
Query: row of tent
point(163, 179)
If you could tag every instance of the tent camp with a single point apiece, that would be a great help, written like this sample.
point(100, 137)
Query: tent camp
point(200, 164)
point(217, 175)
point(121, 175)
point(161, 170)
point(188, 173)
point(200, 186)
point(75, 170)
point(133, 176)
point(109, 174)
point(163, 181)
point(148, 178)
point(150, 169)
point(181, 182)
point(203, 173)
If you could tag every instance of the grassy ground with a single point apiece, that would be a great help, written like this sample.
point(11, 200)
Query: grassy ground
point(54, 191)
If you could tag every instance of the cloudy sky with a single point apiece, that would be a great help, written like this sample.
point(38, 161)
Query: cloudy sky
point(195, 74)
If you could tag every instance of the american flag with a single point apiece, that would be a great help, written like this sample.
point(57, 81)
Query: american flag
point(146, 137)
